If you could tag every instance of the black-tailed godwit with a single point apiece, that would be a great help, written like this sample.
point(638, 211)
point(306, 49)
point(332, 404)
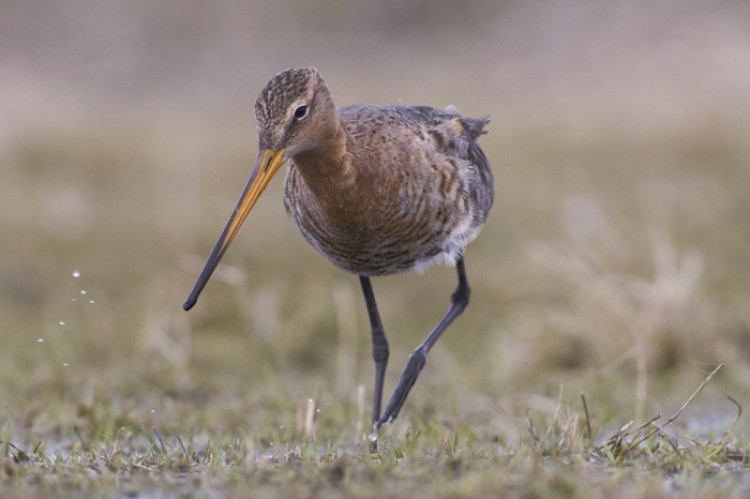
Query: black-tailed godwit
point(375, 189)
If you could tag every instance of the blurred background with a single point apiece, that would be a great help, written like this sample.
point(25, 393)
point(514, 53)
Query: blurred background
point(614, 263)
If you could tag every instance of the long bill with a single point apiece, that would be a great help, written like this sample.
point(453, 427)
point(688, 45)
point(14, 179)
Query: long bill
point(268, 163)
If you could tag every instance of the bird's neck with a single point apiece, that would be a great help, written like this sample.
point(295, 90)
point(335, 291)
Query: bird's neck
point(327, 169)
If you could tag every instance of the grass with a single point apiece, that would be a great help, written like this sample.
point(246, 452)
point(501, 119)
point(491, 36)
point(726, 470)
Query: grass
point(559, 455)
point(608, 285)
point(575, 353)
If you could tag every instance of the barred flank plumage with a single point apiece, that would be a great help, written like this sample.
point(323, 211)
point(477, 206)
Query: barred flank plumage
point(420, 190)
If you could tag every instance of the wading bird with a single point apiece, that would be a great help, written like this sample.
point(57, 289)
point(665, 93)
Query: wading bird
point(377, 190)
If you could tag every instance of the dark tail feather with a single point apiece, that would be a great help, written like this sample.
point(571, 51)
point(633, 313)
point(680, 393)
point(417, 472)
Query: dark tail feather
point(474, 127)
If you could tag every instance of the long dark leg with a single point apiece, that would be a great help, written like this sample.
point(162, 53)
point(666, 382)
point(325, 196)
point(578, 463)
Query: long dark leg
point(459, 300)
point(379, 351)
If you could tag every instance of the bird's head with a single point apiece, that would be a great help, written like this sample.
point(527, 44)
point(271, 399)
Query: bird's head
point(295, 112)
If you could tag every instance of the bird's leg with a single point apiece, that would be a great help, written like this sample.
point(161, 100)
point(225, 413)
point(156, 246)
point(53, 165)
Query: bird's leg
point(379, 353)
point(459, 300)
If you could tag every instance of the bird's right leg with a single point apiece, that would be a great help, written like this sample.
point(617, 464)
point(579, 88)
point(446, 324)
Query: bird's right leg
point(379, 354)
point(459, 300)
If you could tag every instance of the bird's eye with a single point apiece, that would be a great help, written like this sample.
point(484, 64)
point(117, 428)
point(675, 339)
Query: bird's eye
point(300, 112)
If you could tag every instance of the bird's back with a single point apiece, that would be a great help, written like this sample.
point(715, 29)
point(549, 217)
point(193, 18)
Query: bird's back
point(423, 190)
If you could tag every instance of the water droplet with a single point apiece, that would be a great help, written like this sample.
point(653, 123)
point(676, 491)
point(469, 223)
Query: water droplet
point(62, 323)
point(83, 291)
point(76, 274)
point(40, 340)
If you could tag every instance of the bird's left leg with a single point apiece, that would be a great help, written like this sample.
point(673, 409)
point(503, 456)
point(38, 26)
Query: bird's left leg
point(417, 359)
point(379, 351)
